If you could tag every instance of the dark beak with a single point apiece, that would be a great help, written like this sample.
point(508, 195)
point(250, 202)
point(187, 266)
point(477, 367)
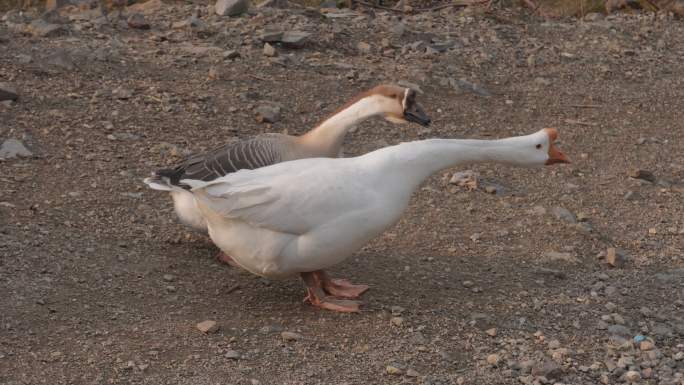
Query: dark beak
point(416, 114)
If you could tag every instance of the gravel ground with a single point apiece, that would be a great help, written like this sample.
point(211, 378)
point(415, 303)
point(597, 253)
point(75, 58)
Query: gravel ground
point(510, 282)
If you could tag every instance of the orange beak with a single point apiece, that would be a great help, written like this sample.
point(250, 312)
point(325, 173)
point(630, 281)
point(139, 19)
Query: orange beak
point(555, 155)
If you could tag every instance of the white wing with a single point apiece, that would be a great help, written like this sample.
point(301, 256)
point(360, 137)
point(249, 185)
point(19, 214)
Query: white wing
point(291, 197)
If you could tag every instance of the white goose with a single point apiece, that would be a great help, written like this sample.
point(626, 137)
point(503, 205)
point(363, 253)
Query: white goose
point(396, 104)
point(303, 216)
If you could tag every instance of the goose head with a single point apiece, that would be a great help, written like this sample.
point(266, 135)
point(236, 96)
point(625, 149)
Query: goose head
point(399, 104)
point(539, 149)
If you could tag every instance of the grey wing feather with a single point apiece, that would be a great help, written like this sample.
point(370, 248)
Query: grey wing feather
point(255, 152)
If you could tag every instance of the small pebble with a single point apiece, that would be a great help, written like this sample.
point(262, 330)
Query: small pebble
point(290, 336)
point(233, 355)
point(646, 345)
point(625, 362)
point(641, 174)
point(632, 376)
point(537, 210)
point(397, 321)
point(391, 369)
point(560, 354)
point(618, 319)
point(208, 326)
point(490, 189)
point(615, 258)
point(491, 332)
point(493, 359)
point(563, 214)
point(610, 290)
point(269, 50)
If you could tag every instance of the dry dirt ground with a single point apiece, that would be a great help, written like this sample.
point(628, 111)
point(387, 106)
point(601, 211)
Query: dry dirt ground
point(101, 285)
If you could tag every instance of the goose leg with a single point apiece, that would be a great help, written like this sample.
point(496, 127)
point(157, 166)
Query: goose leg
point(317, 296)
point(340, 287)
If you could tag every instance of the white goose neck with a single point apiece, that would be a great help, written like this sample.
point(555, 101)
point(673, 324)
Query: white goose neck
point(413, 162)
point(327, 138)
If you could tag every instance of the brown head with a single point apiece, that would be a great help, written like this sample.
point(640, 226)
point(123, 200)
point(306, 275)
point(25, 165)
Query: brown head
point(398, 104)
point(402, 106)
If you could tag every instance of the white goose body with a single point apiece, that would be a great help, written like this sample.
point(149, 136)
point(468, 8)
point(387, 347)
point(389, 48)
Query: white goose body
point(277, 229)
point(311, 214)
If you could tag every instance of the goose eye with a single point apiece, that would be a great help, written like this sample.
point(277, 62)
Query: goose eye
point(538, 146)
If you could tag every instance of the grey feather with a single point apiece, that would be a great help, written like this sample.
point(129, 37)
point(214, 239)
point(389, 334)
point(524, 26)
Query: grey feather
point(255, 152)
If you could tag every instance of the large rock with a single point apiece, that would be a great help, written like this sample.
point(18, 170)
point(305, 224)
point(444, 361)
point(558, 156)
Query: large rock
point(291, 336)
point(294, 39)
point(15, 20)
point(54, 17)
point(289, 39)
point(677, 7)
point(272, 37)
point(637, 173)
point(13, 148)
point(231, 7)
point(7, 92)
point(147, 7)
point(464, 85)
point(208, 326)
point(60, 59)
point(192, 23)
point(548, 369)
point(55, 4)
point(41, 28)
point(138, 21)
point(274, 4)
point(564, 214)
point(268, 113)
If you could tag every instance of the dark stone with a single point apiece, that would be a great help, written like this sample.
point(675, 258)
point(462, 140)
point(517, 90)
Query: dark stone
point(548, 369)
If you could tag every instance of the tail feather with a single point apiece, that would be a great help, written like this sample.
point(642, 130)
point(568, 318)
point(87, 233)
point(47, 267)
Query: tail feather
point(160, 181)
point(193, 184)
